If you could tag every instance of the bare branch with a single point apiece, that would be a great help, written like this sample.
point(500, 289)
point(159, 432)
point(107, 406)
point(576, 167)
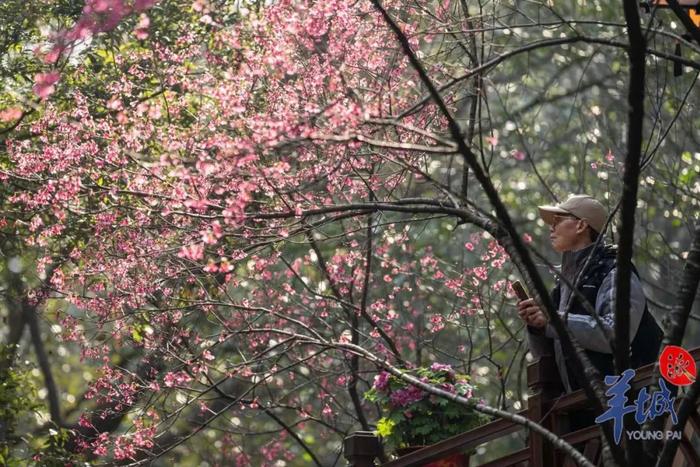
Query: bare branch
point(510, 238)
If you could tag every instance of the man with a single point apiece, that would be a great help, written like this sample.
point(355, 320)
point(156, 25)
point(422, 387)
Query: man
point(574, 227)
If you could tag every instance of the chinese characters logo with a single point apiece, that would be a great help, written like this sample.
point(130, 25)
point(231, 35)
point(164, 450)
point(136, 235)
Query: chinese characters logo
point(677, 367)
point(645, 407)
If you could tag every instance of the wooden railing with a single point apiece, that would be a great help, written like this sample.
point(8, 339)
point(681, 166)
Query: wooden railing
point(546, 405)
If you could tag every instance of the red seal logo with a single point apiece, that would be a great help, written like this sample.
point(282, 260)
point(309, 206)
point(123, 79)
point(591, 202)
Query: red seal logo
point(677, 366)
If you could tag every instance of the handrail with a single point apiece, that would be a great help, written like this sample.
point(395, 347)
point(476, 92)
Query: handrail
point(462, 442)
point(644, 377)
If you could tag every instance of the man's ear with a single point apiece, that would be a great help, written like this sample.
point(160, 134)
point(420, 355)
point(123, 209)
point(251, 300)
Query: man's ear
point(582, 226)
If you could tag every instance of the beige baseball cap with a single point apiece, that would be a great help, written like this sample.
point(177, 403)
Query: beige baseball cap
point(582, 206)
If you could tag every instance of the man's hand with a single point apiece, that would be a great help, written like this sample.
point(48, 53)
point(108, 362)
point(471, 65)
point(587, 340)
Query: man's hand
point(531, 313)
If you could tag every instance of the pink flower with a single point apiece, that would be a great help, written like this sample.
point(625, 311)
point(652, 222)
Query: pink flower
point(141, 30)
point(441, 367)
point(481, 273)
point(492, 140)
point(8, 115)
point(518, 155)
point(100, 450)
point(44, 84)
point(172, 379)
point(381, 381)
point(195, 252)
point(100, 445)
point(225, 266)
point(115, 104)
point(124, 448)
point(406, 396)
point(594, 166)
point(53, 55)
point(610, 156)
point(469, 246)
point(84, 422)
point(437, 323)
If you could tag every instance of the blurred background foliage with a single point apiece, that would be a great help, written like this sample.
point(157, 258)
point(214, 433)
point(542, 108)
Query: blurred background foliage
point(548, 122)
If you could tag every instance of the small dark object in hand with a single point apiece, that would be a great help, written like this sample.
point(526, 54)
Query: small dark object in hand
point(520, 290)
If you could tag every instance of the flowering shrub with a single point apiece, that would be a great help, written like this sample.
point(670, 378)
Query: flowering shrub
point(413, 417)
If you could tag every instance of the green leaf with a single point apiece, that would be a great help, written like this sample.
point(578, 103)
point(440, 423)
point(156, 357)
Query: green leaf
point(427, 428)
point(396, 417)
point(370, 395)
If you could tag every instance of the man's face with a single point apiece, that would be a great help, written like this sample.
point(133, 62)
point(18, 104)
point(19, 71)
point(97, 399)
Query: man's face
point(565, 233)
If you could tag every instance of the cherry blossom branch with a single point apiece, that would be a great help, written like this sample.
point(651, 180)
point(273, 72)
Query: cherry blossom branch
point(581, 364)
point(556, 440)
point(398, 124)
point(408, 206)
point(107, 418)
point(443, 150)
point(269, 413)
point(228, 397)
point(424, 206)
point(322, 264)
point(354, 326)
point(354, 360)
point(293, 434)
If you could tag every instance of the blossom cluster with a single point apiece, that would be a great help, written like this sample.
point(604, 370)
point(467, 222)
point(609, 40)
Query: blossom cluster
point(402, 394)
point(166, 219)
point(406, 396)
point(412, 415)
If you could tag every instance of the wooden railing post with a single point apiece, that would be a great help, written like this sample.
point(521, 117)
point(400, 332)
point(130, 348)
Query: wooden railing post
point(544, 384)
point(361, 449)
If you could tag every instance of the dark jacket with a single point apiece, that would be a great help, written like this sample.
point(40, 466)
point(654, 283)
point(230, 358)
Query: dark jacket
point(597, 285)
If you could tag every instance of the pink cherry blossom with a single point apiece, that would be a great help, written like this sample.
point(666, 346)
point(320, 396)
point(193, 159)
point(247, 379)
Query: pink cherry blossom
point(518, 155)
point(10, 114)
point(44, 84)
